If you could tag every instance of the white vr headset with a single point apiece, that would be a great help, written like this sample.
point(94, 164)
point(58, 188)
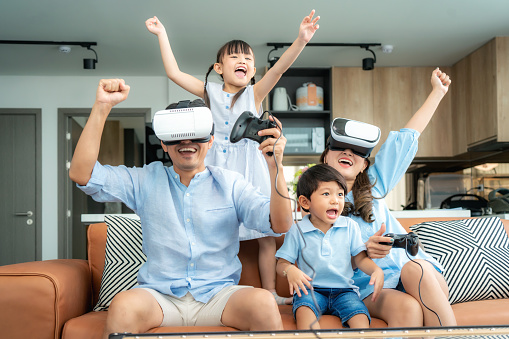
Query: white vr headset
point(183, 123)
point(358, 136)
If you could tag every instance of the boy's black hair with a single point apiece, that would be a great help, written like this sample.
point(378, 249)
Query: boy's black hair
point(312, 178)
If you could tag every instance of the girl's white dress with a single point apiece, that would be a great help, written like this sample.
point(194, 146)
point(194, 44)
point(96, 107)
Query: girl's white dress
point(244, 156)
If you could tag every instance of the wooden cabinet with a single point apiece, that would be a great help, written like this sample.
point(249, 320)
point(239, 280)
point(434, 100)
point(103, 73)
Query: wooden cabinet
point(480, 96)
point(292, 80)
point(388, 97)
point(112, 144)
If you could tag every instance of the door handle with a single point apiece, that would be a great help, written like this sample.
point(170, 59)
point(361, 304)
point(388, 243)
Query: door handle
point(24, 214)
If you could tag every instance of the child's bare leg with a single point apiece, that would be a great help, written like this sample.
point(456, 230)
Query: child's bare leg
point(267, 266)
point(358, 321)
point(306, 319)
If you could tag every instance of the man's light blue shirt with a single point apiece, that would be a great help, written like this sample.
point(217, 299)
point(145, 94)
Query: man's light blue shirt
point(190, 234)
point(391, 163)
point(330, 254)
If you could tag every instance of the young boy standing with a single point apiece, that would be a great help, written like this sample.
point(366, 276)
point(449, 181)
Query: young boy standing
point(327, 245)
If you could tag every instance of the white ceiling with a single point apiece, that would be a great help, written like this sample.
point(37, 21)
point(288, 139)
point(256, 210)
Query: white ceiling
point(423, 33)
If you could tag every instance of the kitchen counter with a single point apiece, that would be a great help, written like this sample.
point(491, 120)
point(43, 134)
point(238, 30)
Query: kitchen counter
point(434, 213)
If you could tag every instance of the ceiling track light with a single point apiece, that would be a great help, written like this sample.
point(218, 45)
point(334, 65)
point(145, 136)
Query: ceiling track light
point(367, 63)
point(64, 47)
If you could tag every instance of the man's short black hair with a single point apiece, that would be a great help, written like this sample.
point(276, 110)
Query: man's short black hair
point(315, 175)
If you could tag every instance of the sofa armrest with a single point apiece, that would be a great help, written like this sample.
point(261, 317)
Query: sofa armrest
point(37, 298)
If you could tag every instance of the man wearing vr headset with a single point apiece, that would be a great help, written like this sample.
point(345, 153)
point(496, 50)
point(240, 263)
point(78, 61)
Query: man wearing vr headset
point(190, 216)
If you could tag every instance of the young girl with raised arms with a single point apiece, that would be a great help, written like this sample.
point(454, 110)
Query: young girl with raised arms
point(235, 64)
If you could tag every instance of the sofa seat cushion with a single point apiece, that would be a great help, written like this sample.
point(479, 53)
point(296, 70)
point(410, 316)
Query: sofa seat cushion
point(87, 326)
point(482, 312)
point(474, 253)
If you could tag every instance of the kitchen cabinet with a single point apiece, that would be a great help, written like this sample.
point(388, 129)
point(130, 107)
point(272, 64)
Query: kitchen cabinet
point(481, 100)
point(292, 80)
point(112, 144)
point(388, 97)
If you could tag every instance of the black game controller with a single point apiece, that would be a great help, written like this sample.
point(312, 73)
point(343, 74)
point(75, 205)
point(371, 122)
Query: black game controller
point(248, 125)
point(409, 241)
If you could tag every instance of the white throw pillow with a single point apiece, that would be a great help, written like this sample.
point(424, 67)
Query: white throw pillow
point(474, 253)
point(123, 258)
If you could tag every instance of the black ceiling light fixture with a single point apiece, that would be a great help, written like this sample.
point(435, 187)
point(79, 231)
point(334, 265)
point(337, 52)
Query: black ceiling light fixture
point(90, 63)
point(87, 63)
point(367, 63)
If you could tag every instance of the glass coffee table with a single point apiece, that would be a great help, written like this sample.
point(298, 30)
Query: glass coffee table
point(456, 332)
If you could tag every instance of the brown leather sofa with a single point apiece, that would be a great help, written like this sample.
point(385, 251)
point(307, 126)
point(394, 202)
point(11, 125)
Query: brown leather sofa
point(54, 298)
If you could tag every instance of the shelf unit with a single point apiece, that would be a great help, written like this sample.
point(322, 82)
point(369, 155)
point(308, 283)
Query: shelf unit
point(291, 80)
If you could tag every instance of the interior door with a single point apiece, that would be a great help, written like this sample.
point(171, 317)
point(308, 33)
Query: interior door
point(19, 239)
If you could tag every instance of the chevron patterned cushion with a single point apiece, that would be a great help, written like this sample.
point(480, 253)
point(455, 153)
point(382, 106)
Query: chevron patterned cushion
point(474, 253)
point(123, 258)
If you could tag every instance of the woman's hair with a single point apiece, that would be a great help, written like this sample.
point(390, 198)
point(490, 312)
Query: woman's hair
point(231, 47)
point(362, 196)
point(311, 179)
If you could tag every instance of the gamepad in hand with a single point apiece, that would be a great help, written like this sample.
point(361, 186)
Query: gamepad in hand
point(248, 125)
point(409, 241)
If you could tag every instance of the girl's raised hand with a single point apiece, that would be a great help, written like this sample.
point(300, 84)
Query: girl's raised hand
point(308, 27)
point(154, 26)
point(440, 80)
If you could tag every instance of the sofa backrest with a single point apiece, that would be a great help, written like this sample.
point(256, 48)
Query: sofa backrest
point(248, 255)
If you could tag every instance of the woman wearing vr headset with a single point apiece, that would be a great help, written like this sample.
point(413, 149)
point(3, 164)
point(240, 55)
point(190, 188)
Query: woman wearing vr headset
point(405, 301)
point(235, 65)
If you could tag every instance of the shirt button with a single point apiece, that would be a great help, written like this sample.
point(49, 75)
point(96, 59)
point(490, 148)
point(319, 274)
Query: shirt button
point(176, 176)
point(227, 107)
point(192, 243)
point(228, 95)
point(188, 220)
point(226, 122)
point(187, 194)
point(188, 279)
point(192, 264)
point(225, 138)
point(224, 151)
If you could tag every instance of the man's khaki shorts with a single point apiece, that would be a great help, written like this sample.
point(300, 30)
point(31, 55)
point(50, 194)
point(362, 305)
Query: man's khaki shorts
point(186, 311)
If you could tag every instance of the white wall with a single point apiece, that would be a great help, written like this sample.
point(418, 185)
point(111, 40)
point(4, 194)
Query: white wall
point(51, 93)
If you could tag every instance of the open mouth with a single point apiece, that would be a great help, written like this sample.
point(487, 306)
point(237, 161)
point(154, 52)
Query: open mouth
point(332, 213)
point(241, 71)
point(345, 162)
point(187, 150)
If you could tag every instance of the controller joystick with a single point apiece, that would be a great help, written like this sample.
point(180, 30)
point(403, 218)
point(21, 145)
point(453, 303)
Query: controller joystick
point(248, 125)
point(409, 241)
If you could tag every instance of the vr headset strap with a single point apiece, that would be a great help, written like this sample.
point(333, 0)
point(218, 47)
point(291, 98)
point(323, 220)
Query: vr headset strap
point(183, 104)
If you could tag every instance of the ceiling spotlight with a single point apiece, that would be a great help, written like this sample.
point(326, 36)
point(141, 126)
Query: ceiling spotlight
point(272, 61)
point(90, 63)
point(369, 63)
point(387, 48)
point(65, 49)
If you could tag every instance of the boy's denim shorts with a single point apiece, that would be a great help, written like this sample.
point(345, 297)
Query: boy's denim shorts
point(341, 302)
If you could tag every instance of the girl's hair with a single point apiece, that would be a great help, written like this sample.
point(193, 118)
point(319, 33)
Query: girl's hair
point(231, 47)
point(310, 180)
point(362, 196)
